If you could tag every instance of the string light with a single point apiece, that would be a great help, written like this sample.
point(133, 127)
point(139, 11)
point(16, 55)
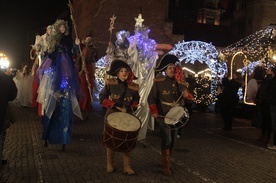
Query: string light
point(255, 46)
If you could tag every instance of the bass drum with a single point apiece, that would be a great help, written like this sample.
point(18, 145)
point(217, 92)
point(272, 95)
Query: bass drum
point(121, 131)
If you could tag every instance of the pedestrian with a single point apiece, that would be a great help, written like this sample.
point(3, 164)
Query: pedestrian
point(253, 85)
point(229, 99)
point(272, 102)
point(165, 94)
point(8, 93)
point(86, 69)
point(257, 77)
point(58, 87)
point(119, 94)
point(263, 105)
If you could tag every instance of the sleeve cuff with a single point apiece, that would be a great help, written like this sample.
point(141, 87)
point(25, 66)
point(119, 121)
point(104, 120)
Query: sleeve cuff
point(153, 109)
point(108, 103)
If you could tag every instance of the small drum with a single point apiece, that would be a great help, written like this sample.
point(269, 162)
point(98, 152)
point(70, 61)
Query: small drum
point(121, 131)
point(177, 117)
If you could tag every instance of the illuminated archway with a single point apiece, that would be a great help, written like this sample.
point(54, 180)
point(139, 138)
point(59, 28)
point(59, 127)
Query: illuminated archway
point(189, 52)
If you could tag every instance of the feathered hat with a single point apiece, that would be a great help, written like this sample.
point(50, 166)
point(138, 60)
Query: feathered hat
point(165, 61)
point(116, 65)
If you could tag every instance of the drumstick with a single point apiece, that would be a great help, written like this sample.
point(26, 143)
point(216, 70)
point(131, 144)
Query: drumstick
point(165, 117)
point(179, 98)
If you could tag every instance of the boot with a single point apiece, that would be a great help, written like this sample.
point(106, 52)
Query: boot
point(166, 162)
point(45, 143)
point(110, 159)
point(127, 168)
point(266, 140)
point(171, 151)
point(63, 147)
point(261, 138)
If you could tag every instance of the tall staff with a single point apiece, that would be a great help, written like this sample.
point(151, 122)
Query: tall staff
point(111, 26)
point(82, 57)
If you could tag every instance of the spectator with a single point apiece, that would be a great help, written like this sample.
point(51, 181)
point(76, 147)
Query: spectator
point(252, 88)
point(8, 93)
point(272, 102)
point(229, 99)
point(262, 103)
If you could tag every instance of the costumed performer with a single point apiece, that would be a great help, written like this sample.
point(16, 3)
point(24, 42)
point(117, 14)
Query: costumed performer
point(119, 94)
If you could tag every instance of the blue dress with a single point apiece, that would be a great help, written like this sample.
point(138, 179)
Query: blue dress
point(57, 93)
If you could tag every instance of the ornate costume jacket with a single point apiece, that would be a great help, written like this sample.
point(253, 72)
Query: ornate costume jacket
point(164, 95)
point(120, 94)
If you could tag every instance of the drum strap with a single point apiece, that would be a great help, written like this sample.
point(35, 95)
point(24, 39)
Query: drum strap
point(173, 104)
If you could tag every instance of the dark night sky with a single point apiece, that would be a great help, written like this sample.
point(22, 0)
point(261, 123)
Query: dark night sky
point(18, 19)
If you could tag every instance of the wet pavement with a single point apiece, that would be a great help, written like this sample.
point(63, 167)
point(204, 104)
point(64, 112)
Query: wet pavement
point(203, 153)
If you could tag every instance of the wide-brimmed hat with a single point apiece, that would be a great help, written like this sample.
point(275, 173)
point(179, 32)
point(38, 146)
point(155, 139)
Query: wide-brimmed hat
point(116, 65)
point(165, 61)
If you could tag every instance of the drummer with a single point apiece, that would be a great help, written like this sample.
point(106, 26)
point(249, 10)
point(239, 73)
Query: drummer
point(119, 94)
point(165, 94)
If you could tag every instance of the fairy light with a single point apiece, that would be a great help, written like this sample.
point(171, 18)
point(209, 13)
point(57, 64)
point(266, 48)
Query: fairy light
point(255, 46)
point(189, 70)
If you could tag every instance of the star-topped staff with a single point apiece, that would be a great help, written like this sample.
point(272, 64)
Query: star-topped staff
point(139, 21)
point(72, 17)
point(111, 27)
point(82, 58)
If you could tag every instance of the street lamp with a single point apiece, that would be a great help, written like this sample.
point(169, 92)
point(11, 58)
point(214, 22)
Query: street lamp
point(4, 61)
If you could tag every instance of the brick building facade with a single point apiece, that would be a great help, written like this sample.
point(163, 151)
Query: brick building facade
point(93, 18)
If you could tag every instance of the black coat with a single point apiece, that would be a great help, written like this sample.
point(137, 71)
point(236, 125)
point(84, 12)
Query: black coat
point(8, 93)
point(272, 92)
point(229, 95)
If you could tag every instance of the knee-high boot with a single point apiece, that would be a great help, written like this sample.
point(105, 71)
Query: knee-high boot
point(110, 159)
point(166, 161)
point(171, 151)
point(127, 168)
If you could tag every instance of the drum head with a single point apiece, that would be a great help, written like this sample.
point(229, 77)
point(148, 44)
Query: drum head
point(174, 115)
point(123, 121)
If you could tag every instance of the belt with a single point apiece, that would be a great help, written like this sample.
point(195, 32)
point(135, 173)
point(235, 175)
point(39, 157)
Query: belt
point(173, 104)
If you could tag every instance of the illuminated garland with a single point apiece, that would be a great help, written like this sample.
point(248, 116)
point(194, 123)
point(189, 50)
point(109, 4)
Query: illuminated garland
point(256, 46)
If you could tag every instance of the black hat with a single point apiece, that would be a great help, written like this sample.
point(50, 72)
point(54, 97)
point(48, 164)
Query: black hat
point(165, 61)
point(116, 65)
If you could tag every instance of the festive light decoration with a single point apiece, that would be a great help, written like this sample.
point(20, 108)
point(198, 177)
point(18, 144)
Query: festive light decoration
point(257, 46)
point(139, 20)
point(189, 52)
point(137, 50)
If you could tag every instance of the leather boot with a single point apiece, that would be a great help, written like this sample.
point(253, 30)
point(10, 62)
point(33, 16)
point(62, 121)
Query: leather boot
point(266, 140)
point(127, 168)
point(110, 159)
point(166, 162)
point(171, 151)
